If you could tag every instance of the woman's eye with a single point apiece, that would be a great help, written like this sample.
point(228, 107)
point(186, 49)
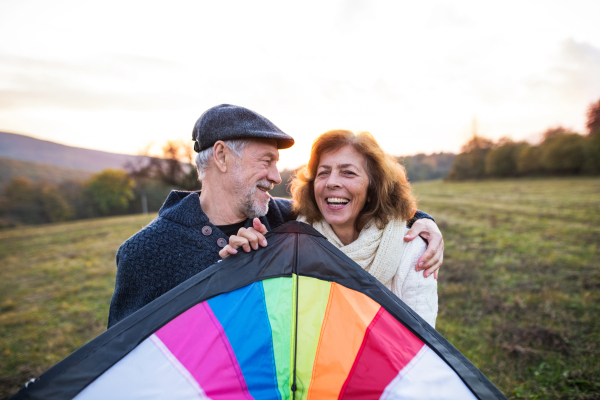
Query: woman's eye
point(322, 173)
point(349, 173)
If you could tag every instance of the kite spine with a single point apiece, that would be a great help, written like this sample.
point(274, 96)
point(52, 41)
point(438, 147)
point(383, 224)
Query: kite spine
point(295, 295)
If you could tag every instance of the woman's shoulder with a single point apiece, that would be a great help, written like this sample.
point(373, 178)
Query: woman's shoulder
point(411, 252)
point(417, 245)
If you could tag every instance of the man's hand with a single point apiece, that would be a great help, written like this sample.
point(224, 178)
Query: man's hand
point(247, 239)
point(432, 259)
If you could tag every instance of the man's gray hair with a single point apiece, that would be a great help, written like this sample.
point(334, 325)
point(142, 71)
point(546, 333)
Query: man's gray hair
point(203, 159)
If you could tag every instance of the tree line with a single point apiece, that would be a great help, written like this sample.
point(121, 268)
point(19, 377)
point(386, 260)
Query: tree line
point(138, 188)
point(425, 167)
point(562, 152)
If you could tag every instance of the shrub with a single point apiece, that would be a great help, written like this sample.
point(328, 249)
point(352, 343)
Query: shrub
point(110, 192)
point(528, 161)
point(502, 161)
point(563, 154)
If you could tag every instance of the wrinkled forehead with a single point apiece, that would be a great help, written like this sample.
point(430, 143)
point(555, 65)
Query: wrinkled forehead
point(342, 157)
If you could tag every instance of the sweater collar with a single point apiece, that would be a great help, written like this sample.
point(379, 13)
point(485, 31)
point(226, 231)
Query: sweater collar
point(183, 208)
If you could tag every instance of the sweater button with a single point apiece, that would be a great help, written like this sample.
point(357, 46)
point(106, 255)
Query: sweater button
point(221, 242)
point(207, 230)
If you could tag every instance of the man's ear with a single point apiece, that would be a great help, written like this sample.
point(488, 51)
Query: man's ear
point(220, 155)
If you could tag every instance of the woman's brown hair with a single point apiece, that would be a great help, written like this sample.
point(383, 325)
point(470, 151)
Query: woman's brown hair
point(388, 195)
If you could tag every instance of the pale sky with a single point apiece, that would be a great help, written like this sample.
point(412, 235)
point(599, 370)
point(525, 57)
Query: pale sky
point(117, 75)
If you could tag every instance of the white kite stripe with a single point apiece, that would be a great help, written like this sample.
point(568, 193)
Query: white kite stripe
point(427, 376)
point(144, 373)
point(182, 370)
point(407, 368)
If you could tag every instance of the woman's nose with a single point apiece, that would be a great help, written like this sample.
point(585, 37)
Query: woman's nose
point(333, 182)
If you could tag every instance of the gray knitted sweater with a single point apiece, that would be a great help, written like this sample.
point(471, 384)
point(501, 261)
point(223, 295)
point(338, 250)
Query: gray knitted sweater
point(171, 249)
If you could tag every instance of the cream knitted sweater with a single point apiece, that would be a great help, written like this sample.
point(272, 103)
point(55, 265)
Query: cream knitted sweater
point(386, 256)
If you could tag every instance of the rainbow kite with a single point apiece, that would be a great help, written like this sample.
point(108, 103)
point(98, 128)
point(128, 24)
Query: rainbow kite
point(297, 320)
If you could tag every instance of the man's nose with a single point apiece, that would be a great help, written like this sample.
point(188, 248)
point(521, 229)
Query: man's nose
point(274, 176)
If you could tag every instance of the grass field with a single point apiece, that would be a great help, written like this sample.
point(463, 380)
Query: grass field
point(519, 288)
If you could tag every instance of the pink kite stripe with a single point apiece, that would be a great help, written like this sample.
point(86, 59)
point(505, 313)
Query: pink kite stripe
point(234, 362)
point(197, 340)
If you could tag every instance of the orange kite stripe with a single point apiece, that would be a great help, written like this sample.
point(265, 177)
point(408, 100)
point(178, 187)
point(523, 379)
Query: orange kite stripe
point(347, 317)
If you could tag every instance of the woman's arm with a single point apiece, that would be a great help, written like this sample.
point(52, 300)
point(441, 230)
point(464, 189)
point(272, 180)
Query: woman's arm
point(418, 292)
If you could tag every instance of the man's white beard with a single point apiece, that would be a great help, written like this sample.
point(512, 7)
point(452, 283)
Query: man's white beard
point(251, 206)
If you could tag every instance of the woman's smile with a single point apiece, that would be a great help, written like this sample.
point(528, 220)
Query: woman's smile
point(336, 203)
point(341, 187)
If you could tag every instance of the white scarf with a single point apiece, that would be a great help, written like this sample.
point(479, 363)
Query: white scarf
point(377, 251)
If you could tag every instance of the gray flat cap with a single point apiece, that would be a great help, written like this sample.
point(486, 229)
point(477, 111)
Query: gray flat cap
point(227, 122)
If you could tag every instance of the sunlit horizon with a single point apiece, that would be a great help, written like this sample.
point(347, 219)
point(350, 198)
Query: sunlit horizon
point(117, 76)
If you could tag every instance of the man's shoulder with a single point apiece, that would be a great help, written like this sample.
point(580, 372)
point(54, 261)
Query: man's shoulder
point(282, 203)
point(280, 211)
point(179, 215)
point(157, 236)
point(146, 237)
point(164, 243)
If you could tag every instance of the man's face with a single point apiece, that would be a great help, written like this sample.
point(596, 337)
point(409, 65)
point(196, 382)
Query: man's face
point(255, 174)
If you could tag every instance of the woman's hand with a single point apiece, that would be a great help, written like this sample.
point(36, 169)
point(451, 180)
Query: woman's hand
point(247, 239)
point(433, 257)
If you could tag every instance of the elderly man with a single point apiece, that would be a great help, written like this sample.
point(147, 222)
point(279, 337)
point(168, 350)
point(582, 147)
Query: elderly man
point(237, 163)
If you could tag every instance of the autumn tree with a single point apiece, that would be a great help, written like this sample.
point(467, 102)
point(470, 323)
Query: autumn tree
point(551, 132)
point(470, 163)
point(175, 167)
point(73, 192)
point(33, 203)
point(109, 192)
point(502, 160)
point(528, 162)
point(593, 119)
point(563, 154)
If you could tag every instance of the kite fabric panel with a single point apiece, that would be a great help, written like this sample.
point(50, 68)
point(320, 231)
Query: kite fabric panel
point(296, 320)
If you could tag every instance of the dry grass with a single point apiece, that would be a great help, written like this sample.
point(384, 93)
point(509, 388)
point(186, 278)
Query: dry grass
point(56, 282)
point(519, 286)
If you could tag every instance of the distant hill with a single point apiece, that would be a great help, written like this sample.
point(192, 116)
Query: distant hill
point(25, 148)
point(10, 169)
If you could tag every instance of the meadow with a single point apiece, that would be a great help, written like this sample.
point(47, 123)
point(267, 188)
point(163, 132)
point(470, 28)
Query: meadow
point(518, 292)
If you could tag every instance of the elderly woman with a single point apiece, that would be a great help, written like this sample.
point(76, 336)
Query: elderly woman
point(359, 199)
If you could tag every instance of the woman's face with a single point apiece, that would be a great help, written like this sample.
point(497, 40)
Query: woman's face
point(341, 186)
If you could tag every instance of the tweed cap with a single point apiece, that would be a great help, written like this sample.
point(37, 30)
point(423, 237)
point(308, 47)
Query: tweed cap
point(227, 122)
